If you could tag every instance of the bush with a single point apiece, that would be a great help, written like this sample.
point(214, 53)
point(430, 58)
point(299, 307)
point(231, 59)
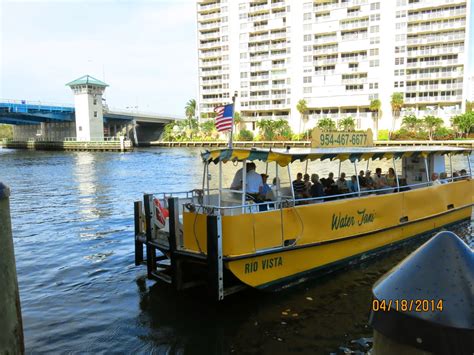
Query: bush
point(383, 135)
point(245, 135)
point(443, 133)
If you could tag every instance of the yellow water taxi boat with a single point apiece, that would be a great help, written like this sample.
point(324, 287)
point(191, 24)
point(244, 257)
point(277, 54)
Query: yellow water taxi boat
point(225, 240)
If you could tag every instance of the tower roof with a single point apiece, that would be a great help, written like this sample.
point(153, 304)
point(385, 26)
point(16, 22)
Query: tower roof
point(87, 79)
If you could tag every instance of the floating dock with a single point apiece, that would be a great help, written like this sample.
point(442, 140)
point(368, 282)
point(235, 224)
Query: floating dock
point(112, 145)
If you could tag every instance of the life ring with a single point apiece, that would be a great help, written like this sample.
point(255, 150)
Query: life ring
point(161, 214)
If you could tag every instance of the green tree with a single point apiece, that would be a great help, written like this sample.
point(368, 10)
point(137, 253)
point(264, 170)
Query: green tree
point(347, 124)
point(397, 102)
point(238, 121)
point(245, 135)
point(464, 123)
point(375, 106)
point(432, 123)
point(190, 109)
point(326, 124)
point(271, 129)
point(265, 127)
point(207, 127)
point(469, 106)
point(6, 131)
point(411, 123)
point(302, 108)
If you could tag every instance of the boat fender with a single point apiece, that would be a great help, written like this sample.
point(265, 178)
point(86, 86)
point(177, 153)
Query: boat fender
point(161, 214)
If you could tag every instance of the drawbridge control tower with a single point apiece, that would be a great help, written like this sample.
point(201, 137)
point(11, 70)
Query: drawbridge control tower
point(88, 93)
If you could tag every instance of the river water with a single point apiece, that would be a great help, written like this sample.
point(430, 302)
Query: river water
point(72, 215)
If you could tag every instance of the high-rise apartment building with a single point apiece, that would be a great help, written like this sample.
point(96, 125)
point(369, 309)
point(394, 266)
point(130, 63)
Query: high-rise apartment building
point(337, 55)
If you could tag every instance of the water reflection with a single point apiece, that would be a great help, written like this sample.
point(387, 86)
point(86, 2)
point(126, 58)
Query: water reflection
point(91, 191)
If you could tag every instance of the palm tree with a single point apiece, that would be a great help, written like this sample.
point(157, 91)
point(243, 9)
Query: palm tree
point(190, 109)
point(432, 123)
point(237, 121)
point(411, 123)
point(375, 105)
point(347, 124)
point(397, 103)
point(464, 123)
point(327, 124)
point(302, 108)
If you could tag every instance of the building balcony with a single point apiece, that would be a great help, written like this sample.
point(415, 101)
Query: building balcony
point(325, 40)
point(354, 37)
point(325, 61)
point(259, 38)
point(324, 7)
point(354, 81)
point(211, 64)
point(211, 82)
point(326, 50)
point(433, 63)
point(211, 72)
point(436, 15)
point(354, 25)
point(437, 27)
point(213, 91)
point(257, 18)
point(208, 7)
point(435, 39)
point(436, 51)
point(265, 87)
point(353, 59)
point(280, 45)
point(278, 35)
point(209, 25)
point(210, 54)
point(256, 49)
point(209, 35)
point(258, 8)
point(214, 44)
point(433, 99)
point(204, 17)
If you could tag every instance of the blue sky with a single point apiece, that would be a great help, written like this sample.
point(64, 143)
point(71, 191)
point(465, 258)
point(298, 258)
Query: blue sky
point(145, 49)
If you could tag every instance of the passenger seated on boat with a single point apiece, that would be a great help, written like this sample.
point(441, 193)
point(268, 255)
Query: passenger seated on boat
point(329, 185)
point(317, 189)
point(237, 181)
point(267, 193)
point(307, 185)
point(341, 183)
point(455, 176)
point(463, 174)
point(254, 182)
point(443, 177)
point(299, 186)
point(435, 179)
point(362, 181)
point(369, 181)
point(379, 180)
point(391, 178)
point(353, 186)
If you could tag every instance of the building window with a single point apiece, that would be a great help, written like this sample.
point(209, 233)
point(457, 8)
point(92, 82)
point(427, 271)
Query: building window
point(95, 102)
point(95, 113)
point(399, 61)
point(80, 128)
point(307, 16)
point(307, 79)
point(374, 40)
point(374, 63)
point(307, 38)
point(374, 51)
point(375, 6)
point(307, 90)
point(374, 29)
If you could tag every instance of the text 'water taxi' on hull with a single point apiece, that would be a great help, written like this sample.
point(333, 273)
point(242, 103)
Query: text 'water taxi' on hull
point(225, 239)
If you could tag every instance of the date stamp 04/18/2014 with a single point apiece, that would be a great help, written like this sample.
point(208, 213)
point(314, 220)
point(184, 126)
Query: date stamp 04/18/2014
point(407, 305)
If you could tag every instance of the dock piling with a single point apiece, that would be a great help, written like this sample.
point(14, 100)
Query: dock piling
point(137, 206)
point(176, 269)
point(150, 250)
point(11, 336)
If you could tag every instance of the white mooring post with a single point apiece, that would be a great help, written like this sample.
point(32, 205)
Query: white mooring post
point(11, 334)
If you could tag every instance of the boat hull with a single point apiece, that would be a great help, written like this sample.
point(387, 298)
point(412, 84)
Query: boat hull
point(277, 269)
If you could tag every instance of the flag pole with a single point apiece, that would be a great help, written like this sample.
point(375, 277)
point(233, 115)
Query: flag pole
point(232, 127)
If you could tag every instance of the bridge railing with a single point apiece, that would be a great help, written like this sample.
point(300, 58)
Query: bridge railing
point(94, 139)
point(136, 113)
point(35, 103)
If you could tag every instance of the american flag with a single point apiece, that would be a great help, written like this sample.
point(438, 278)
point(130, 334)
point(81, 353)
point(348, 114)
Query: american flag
point(224, 117)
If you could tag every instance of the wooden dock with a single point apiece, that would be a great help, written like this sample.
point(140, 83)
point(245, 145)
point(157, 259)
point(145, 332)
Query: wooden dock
point(70, 145)
point(307, 144)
